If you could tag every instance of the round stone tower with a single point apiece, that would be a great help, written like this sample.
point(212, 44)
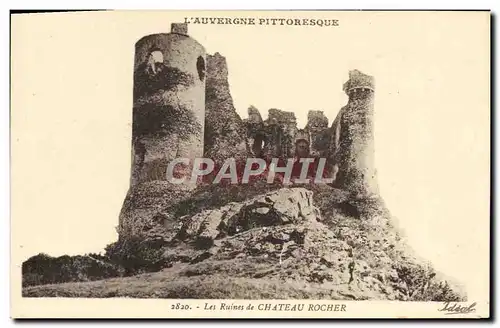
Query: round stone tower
point(169, 102)
point(168, 122)
point(355, 159)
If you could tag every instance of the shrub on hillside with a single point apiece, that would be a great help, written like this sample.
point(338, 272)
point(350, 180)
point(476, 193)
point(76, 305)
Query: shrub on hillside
point(44, 269)
point(419, 283)
point(136, 255)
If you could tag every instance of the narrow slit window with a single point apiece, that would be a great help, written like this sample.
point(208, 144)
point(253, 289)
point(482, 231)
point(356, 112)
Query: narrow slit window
point(200, 65)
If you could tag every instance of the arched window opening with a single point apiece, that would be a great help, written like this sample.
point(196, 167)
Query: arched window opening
point(156, 56)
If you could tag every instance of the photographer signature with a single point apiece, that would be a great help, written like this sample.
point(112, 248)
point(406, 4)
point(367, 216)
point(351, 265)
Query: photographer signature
point(455, 308)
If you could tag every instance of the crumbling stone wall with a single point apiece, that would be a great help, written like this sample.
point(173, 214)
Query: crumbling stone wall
point(224, 129)
point(280, 132)
point(348, 144)
point(319, 133)
point(276, 134)
point(257, 135)
point(284, 126)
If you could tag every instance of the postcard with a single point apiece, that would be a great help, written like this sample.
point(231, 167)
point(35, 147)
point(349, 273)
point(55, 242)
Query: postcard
point(250, 164)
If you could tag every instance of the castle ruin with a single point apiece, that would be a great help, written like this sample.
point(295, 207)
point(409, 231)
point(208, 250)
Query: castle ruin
point(183, 109)
point(331, 239)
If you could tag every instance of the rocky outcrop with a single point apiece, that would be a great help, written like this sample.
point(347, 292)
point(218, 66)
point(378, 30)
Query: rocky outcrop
point(142, 214)
point(281, 207)
point(246, 249)
point(282, 235)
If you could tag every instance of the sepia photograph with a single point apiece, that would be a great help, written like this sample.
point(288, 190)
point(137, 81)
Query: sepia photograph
point(255, 164)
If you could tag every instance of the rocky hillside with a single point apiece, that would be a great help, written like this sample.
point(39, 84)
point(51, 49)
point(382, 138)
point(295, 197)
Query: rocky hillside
point(286, 243)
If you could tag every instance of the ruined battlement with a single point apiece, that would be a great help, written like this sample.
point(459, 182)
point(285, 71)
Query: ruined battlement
point(179, 28)
point(358, 81)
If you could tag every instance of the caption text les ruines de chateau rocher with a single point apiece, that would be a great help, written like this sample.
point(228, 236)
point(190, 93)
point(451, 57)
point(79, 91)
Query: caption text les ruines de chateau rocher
point(249, 306)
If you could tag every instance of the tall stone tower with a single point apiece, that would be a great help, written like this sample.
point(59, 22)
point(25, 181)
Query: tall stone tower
point(169, 102)
point(355, 157)
point(168, 121)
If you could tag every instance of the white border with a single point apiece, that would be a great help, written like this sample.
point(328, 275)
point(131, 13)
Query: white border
point(191, 4)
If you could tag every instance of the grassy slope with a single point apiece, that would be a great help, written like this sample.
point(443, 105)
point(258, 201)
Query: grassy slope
point(167, 284)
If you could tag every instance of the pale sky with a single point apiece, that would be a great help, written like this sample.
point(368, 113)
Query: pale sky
point(72, 110)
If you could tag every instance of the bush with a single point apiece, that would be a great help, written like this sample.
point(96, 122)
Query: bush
point(125, 257)
point(421, 285)
point(44, 269)
point(136, 255)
